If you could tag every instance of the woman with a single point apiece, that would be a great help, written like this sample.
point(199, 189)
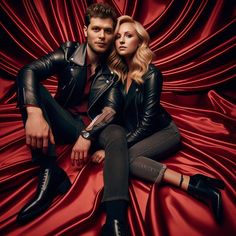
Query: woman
point(151, 132)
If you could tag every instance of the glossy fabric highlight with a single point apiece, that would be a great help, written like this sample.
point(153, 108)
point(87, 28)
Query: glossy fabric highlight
point(194, 43)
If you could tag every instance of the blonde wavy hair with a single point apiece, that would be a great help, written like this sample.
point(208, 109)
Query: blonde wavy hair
point(141, 59)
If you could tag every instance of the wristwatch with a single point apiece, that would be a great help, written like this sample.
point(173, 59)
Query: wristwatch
point(85, 134)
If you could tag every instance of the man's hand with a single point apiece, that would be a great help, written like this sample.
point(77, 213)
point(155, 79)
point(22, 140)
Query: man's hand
point(98, 156)
point(37, 130)
point(79, 155)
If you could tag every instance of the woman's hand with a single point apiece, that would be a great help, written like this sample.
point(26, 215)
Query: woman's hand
point(98, 156)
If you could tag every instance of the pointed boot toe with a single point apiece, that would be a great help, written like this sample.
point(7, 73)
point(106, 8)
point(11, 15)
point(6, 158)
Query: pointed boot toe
point(51, 183)
point(206, 189)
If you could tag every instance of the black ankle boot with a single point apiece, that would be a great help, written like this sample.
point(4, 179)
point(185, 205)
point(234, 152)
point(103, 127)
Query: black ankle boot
point(114, 228)
point(52, 181)
point(206, 189)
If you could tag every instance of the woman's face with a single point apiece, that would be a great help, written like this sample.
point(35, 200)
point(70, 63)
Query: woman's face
point(127, 40)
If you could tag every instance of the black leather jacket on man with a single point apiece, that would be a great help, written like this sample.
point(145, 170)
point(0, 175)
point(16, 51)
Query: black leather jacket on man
point(143, 114)
point(69, 63)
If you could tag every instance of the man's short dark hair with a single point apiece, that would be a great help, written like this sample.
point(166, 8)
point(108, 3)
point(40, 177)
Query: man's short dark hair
point(101, 10)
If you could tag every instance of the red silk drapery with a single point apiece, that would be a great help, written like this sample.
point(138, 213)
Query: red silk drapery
point(194, 43)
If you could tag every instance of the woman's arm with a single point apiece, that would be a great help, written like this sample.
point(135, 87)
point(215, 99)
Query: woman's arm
point(152, 88)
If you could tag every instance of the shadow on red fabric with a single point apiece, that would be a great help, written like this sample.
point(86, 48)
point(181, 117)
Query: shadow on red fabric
point(194, 43)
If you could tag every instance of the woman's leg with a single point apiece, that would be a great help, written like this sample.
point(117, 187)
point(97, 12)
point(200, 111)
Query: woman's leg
point(175, 178)
point(160, 145)
point(116, 174)
point(116, 167)
point(144, 155)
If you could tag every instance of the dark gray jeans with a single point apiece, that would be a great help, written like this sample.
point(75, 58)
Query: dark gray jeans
point(144, 155)
point(143, 158)
point(116, 165)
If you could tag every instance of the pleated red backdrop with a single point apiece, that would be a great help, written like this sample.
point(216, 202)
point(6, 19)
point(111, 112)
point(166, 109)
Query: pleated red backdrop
point(194, 42)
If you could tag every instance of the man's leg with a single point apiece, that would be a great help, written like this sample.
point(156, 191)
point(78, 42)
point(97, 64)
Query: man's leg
point(52, 179)
point(116, 172)
point(65, 127)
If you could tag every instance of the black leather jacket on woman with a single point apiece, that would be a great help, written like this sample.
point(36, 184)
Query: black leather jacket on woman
point(143, 114)
point(69, 63)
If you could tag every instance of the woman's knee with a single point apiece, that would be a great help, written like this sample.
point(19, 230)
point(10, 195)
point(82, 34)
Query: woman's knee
point(114, 132)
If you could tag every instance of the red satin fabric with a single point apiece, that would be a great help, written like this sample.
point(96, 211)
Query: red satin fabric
point(194, 43)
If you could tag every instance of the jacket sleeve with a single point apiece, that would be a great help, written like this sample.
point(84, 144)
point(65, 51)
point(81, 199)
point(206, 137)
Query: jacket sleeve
point(112, 107)
point(151, 90)
point(101, 121)
point(114, 97)
point(30, 75)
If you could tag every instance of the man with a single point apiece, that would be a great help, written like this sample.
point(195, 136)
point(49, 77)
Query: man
point(86, 100)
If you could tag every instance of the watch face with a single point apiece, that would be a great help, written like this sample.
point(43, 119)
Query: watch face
point(85, 134)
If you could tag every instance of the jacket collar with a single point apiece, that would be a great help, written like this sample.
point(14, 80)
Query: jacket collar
point(79, 56)
point(105, 69)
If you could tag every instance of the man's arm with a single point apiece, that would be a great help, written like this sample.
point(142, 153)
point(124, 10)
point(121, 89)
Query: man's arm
point(79, 154)
point(30, 76)
point(112, 106)
point(38, 132)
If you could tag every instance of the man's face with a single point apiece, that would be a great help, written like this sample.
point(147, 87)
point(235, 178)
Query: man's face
point(99, 34)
